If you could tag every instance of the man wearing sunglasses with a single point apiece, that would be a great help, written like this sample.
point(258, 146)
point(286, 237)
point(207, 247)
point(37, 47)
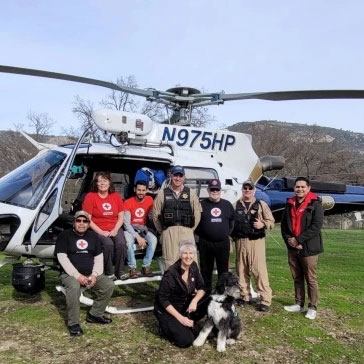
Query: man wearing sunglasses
point(252, 218)
point(216, 225)
point(79, 252)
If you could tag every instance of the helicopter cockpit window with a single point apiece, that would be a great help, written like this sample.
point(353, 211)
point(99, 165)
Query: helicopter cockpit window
point(46, 210)
point(26, 185)
point(198, 179)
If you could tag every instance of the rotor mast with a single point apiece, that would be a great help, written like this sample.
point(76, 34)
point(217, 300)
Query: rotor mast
point(183, 103)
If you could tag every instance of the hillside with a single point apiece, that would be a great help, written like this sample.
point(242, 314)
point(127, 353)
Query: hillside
point(346, 139)
point(15, 149)
point(321, 153)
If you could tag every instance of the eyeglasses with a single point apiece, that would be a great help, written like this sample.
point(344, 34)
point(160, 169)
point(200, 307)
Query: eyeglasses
point(180, 175)
point(214, 189)
point(82, 220)
point(247, 188)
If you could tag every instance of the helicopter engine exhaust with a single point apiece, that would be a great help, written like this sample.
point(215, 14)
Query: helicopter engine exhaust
point(271, 163)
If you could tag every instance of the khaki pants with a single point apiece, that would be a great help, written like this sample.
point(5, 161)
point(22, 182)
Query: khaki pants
point(103, 290)
point(304, 268)
point(171, 239)
point(250, 258)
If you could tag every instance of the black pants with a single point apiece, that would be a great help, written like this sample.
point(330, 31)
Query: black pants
point(209, 252)
point(115, 253)
point(172, 330)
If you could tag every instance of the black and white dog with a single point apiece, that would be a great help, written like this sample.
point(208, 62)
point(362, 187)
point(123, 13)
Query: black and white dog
point(222, 314)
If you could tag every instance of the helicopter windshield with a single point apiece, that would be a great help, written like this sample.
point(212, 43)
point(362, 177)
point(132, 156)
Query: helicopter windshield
point(27, 184)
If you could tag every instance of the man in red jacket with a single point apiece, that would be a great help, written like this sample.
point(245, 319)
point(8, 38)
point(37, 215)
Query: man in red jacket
point(301, 230)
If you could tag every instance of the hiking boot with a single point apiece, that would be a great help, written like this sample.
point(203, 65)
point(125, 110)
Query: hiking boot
point(133, 273)
point(75, 330)
point(91, 319)
point(146, 272)
point(124, 276)
point(242, 303)
point(295, 308)
point(311, 314)
point(263, 308)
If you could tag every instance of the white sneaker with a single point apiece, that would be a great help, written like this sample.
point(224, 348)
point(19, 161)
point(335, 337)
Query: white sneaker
point(295, 308)
point(311, 314)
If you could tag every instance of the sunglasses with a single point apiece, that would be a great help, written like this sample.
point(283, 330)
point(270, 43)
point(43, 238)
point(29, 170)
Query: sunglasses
point(82, 220)
point(215, 189)
point(247, 188)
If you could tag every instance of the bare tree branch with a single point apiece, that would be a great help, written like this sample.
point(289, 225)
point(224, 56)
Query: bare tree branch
point(122, 101)
point(83, 110)
point(42, 123)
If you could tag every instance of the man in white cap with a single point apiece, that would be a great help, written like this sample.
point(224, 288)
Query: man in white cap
point(252, 218)
point(176, 214)
point(79, 253)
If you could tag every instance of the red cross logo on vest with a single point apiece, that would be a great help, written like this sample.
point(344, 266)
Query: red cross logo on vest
point(106, 206)
point(215, 212)
point(82, 244)
point(139, 212)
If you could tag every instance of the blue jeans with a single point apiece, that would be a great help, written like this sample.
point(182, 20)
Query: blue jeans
point(151, 245)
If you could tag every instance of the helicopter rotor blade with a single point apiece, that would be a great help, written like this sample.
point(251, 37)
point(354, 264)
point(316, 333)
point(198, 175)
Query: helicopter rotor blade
point(174, 98)
point(66, 77)
point(294, 95)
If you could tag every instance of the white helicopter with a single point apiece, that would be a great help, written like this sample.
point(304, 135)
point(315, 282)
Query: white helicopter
point(39, 198)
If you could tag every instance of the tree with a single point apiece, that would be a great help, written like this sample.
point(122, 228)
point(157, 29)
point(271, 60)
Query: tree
point(309, 151)
point(42, 124)
point(201, 117)
point(83, 109)
point(121, 101)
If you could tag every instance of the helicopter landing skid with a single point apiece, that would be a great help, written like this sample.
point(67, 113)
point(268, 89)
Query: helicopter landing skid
point(7, 259)
point(115, 310)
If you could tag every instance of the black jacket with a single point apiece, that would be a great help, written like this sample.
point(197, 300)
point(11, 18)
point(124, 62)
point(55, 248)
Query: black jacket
point(174, 291)
point(310, 236)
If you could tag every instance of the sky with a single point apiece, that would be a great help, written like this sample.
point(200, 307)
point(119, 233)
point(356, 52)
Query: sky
point(213, 45)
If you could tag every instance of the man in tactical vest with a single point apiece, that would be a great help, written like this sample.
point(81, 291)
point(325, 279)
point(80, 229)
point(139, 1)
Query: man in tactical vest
point(176, 213)
point(252, 218)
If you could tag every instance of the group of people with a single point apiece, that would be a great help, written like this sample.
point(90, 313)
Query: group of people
point(93, 258)
point(108, 214)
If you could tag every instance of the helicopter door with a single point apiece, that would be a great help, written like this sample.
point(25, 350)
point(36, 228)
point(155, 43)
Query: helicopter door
point(51, 205)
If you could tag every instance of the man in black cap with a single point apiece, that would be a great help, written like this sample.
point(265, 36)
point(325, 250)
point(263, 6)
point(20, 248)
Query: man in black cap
point(252, 218)
point(176, 214)
point(217, 222)
point(79, 253)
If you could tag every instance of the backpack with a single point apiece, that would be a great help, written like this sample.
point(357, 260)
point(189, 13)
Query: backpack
point(153, 178)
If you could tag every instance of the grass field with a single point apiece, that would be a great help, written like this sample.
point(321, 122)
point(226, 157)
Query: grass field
point(33, 329)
